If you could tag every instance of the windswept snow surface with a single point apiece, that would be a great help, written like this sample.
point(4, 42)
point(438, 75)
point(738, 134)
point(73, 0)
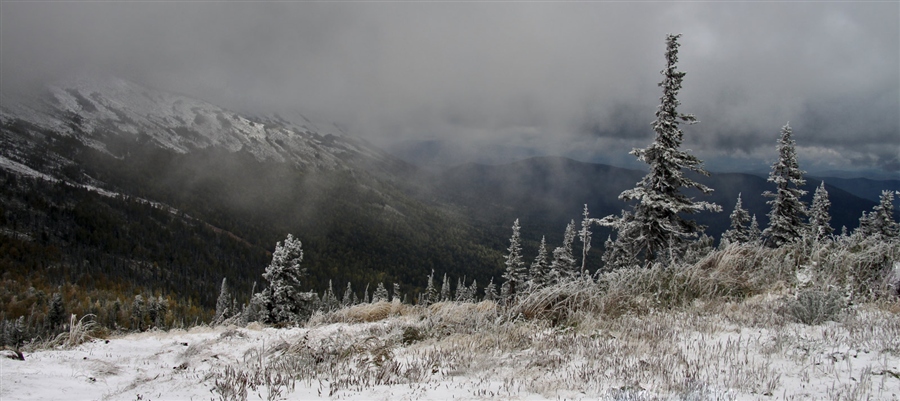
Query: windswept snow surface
point(658, 357)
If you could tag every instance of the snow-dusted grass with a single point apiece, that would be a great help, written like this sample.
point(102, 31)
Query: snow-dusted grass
point(743, 350)
point(744, 323)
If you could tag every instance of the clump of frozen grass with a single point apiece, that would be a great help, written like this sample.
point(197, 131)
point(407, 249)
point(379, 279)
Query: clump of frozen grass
point(79, 332)
point(813, 307)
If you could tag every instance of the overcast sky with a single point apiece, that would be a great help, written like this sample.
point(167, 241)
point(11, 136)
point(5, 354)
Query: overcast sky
point(574, 79)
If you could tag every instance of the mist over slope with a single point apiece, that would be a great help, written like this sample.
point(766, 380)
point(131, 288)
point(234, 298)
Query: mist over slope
point(364, 216)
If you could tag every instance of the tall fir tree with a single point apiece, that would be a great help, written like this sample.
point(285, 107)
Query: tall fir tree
point(786, 215)
point(656, 222)
point(515, 267)
point(282, 300)
point(740, 220)
point(819, 216)
point(585, 236)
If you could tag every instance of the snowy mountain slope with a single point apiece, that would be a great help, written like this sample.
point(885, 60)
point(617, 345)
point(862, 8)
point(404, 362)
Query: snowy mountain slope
point(101, 112)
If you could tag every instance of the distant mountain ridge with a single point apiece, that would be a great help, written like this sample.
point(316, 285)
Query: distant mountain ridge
point(546, 192)
point(101, 112)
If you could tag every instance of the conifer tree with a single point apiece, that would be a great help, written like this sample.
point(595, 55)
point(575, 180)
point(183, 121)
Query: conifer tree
point(786, 216)
point(223, 303)
point(819, 217)
point(515, 267)
point(460, 290)
point(430, 294)
point(349, 298)
point(740, 220)
point(585, 236)
point(563, 266)
point(56, 312)
point(329, 299)
point(656, 222)
point(445, 289)
point(396, 293)
point(381, 293)
point(754, 235)
point(472, 291)
point(537, 275)
point(490, 291)
point(282, 301)
point(880, 221)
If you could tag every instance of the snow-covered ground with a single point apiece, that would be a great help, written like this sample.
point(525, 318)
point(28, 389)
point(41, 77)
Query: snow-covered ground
point(451, 351)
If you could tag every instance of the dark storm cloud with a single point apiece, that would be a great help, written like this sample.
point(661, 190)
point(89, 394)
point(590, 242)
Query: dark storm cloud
point(577, 79)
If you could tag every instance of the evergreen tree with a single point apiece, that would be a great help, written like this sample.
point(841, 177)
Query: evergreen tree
point(740, 219)
point(162, 307)
point(395, 297)
point(563, 266)
point(137, 313)
point(472, 292)
point(880, 221)
point(329, 299)
point(656, 221)
point(754, 235)
point(490, 292)
point(381, 293)
point(223, 303)
point(819, 217)
point(56, 313)
point(445, 289)
point(515, 267)
point(430, 294)
point(537, 275)
point(349, 298)
point(366, 298)
point(585, 236)
point(461, 290)
point(282, 300)
point(786, 216)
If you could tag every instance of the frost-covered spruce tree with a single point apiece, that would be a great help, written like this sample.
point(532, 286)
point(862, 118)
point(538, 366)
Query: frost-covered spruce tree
point(282, 301)
point(329, 299)
point(564, 266)
point(880, 221)
point(380, 294)
point(349, 298)
point(537, 274)
point(430, 295)
point(395, 296)
point(819, 216)
point(490, 292)
point(460, 295)
point(740, 220)
point(786, 216)
point(754, 235)
point(585, 236)
point(445, 289)
point(515, 267)
point(656, 222)
point(224, 302)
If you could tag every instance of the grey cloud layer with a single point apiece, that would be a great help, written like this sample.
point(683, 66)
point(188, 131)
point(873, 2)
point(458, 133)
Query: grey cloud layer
point(563, 77)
